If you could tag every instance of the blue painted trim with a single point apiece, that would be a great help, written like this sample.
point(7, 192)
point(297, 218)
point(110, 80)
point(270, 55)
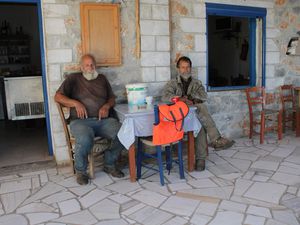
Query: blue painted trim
point(44, 80)
point(264, 52)
point(19, 1)
point(228, 88)
point(207, 57)
point(43, 64)
point(233, 10)
point(252, 51)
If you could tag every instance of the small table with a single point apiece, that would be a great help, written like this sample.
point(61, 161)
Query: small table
point(297, 90)
point(138, 123)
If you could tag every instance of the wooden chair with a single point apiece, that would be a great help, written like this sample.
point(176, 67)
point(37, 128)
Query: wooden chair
point(100, 144)
point(288, 103)
point(259, 115)
point(141, 154)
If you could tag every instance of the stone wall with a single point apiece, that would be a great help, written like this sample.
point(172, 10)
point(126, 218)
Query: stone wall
point(287, 20)
point(169, 29)
point(63, 50)
point(155, 41)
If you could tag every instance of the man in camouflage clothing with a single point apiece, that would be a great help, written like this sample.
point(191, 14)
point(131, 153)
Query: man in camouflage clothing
point(192, 92)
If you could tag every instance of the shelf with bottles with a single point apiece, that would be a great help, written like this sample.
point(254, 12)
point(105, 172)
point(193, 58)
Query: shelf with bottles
point(5, 28)
point(14, 49)
point(3, 59)
point(18, 50)
point(19, 59)
point(14, 46)
point(14, 40)
point(3, 51)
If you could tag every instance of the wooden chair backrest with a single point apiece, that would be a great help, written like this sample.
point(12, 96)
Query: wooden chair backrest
point(256, 96)
point(63, 113)
point(287, 95)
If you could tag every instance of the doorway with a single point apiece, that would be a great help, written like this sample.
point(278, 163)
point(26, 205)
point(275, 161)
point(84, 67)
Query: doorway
point(24, 136)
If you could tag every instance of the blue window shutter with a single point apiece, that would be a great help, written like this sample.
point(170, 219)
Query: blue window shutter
point(233, 10)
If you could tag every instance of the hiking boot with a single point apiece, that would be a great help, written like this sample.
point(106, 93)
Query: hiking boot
point(222, 143)
point(82, 179)
point(113, 171)
point(200, 165)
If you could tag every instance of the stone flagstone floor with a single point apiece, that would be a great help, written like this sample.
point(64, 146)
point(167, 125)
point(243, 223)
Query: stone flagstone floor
point(246, 184)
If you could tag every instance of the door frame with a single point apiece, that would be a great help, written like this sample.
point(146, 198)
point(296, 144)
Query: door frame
point(43, 64)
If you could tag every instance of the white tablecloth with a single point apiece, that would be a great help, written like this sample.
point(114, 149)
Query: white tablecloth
point(139, 123)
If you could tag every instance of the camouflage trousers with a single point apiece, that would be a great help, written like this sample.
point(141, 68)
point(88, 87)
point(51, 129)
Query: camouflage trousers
point(208, 129)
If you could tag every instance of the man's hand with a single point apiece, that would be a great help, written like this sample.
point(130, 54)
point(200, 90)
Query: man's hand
point(80, 110)
point(103, 111)
point(186, 100)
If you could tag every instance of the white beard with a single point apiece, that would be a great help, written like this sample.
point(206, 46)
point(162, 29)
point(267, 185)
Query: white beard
point(90, 76)
point(186, 76)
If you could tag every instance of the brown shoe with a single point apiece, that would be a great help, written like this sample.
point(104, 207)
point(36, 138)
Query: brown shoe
point(82, 179)
point(113, 171)
point(222, 143)
point(200, 165)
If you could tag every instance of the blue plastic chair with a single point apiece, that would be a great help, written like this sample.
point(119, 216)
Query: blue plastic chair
point(141, 155)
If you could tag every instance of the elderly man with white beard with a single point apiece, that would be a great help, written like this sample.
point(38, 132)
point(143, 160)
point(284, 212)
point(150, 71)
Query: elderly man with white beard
point(192, 92)
point(90, 98)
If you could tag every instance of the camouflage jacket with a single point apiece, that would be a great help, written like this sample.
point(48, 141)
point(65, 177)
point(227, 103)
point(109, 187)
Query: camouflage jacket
point(174, 87)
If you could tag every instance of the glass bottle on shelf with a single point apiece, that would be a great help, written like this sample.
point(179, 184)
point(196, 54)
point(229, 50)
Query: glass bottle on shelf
point(4, 28)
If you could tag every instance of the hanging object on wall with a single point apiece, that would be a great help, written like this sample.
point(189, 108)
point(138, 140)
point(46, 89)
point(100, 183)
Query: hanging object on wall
point(293, 47)
point(118, 1)
point(244, 50)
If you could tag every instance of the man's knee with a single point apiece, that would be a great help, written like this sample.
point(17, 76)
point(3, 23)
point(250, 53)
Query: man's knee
point(202, 109)
point(80, 128)
point(114, 123)
point(112, 128)
point(84, 138)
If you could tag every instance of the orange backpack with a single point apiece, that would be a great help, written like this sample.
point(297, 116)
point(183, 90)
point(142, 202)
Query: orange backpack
point(170, 124)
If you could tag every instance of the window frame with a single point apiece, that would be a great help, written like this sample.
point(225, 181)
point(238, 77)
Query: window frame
point(252, 13)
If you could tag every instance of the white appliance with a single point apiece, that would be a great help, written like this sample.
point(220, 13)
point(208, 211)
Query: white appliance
point(24, 97)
